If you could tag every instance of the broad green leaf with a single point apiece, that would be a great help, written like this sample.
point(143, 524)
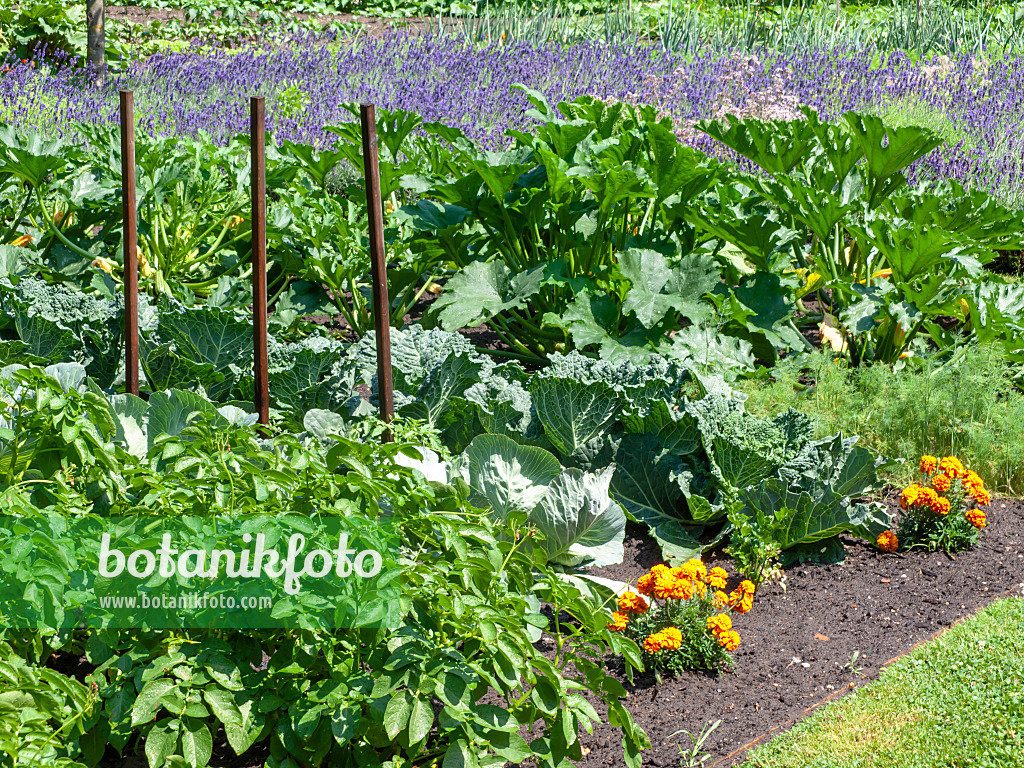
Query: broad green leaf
point(645, 484)
point(206, 335)
point(161, 742)
point(145, 707)
point(648, 273)
point(812, 519)
point(612, 185)
point(196, 743)
point(345, 722)
point(580, 522)
point(421, 720)
point(775, 145)
point(483, 290)
point(573, 412)
point(130, 415)
point(593, 319)
point(508, 475)
point(439, 390)
point(396, 715)
point(888, 150)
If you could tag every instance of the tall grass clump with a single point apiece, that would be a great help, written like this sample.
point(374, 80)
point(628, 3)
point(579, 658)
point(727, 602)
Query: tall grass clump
point(964, 405)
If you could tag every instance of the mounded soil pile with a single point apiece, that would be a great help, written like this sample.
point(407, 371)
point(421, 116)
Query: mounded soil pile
point(797, 644)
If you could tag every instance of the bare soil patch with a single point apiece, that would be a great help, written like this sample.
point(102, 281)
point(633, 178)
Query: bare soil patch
point(797, 644)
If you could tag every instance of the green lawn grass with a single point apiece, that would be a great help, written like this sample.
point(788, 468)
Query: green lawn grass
point(956, 701)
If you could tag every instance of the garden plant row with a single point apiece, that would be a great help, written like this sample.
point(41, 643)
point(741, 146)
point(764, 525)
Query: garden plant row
point(626, 282)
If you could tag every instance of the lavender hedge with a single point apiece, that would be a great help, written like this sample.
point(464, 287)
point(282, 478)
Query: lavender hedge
point(977, 105)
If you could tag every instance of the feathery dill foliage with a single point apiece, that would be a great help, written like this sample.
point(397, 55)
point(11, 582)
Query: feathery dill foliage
point(967, 408)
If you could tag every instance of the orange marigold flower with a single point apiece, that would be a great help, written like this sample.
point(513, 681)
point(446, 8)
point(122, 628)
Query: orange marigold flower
point(672, 638)
point(976, 518)
point(620, 621)
point(952, 466)
point(720, 599)
point(652, 643)
point(645, 584)
point(659, 569)
point(973, 480)
point(677, 589)
point(716, 578)
point(693, 569)
point(981, 496)
point(741, 602)
point(700, 588)
point(941, 483)
point(887, 541)
point(928, 464)
point(940, 505)
point(631, 602)
point(745, 604)
point(720, 623)
point(729, 640)
point(911, 496)
point(746, 587)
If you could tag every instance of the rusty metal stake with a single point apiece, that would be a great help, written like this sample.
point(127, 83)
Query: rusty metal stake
point(261, 398)
point(378, 269)
point(129, 231)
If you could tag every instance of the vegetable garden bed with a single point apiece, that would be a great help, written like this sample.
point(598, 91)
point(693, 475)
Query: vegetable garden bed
point(585, 297)
point(799, 643)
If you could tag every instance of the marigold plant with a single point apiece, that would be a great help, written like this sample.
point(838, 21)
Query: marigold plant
point(943, 511)
point(682, 617)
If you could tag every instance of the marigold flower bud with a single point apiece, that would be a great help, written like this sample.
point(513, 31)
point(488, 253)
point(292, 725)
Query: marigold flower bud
point(887, 541)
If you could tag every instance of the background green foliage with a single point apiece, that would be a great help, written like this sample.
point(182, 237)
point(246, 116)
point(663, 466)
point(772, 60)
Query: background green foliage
point(966, 406)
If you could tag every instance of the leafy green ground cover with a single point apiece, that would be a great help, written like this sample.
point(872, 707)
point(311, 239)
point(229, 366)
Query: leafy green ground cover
point(963, 406)
point(955, 701)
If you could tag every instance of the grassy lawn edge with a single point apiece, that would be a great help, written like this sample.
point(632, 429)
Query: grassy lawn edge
point(957, 700)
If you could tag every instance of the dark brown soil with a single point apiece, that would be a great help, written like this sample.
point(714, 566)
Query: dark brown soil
point(797, 644)
point(1007, 263)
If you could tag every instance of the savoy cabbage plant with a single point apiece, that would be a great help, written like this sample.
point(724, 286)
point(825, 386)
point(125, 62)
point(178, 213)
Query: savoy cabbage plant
point(681, 454)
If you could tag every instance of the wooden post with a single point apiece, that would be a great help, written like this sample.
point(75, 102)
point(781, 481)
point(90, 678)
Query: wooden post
point(129, 232)
point(378, 268)
point(261, 398)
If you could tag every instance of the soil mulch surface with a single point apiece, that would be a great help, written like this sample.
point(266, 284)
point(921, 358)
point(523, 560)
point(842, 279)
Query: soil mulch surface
point(797, 644)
